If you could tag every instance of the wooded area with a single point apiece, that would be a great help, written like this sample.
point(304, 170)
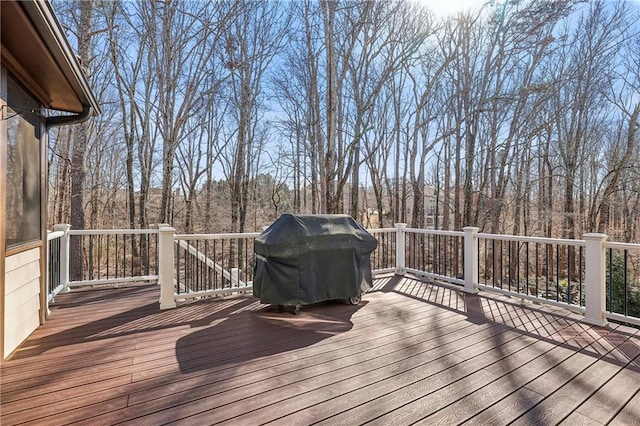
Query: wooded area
point(521, 117)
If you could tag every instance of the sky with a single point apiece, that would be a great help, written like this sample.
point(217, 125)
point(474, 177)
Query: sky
point(448, 7)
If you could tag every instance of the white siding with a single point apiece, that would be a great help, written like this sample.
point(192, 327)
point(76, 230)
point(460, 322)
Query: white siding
point(22, 297)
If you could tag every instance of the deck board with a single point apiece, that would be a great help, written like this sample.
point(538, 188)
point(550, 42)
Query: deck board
point(411, 352)
point(427, 399)
point(630, 414)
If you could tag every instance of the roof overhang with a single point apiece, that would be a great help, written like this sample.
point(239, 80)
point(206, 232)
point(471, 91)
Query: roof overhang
point(36, 50)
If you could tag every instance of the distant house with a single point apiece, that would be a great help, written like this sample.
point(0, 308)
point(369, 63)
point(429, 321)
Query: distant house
point(434, 208)
point(38, 72)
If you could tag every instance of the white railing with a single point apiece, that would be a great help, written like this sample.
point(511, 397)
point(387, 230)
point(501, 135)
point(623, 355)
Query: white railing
point(55, 267)
point(534, 268)
point(383, 258)
point(435, 254)
point(116, 256)
point(108, 256)
point(579, 275)
point(213, 264)
point(622, 263)
point(591, 276)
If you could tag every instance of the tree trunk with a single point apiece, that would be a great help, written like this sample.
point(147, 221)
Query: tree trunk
point(80, 138)
point(329, 203)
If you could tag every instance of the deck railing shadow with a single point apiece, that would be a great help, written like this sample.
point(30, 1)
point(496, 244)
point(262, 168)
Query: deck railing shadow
point(454, 299)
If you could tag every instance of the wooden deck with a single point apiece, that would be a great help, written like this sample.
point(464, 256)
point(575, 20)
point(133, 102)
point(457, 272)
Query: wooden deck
point(411, 352)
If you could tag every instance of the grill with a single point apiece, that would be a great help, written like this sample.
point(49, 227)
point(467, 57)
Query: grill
point(305, 259)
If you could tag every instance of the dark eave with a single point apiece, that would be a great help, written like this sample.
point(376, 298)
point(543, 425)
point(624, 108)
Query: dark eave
point(35, 48)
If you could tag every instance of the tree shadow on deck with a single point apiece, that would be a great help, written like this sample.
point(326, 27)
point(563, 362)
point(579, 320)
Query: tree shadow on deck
point(250, 334)
point(117, 315)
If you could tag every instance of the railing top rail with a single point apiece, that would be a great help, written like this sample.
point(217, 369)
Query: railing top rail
point(435, 232)
point(622, 246)
point(542, 240)
point(227, 236)
point(112, 231)
point(52, 235)
point(381, 230)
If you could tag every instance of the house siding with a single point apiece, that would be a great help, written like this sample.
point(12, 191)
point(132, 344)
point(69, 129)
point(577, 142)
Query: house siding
point(22, 297)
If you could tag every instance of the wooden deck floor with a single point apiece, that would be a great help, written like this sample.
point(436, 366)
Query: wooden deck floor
point(411, 352)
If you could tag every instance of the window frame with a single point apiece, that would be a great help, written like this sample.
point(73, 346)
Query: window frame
point(31, 242)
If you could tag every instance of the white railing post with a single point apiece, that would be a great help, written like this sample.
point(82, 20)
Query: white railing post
point(235, 277)
point(595, 279)
point(470, 259)
point(64, 256)
point(400, 248)
point(160, 226)
point(165, 266)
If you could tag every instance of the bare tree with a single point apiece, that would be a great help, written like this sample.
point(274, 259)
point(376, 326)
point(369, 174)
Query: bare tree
point(182, 37)
point(254, 37)
point(79, 147)
point(619, 154)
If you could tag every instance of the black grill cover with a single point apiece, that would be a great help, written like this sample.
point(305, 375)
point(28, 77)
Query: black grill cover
point(303, 259)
